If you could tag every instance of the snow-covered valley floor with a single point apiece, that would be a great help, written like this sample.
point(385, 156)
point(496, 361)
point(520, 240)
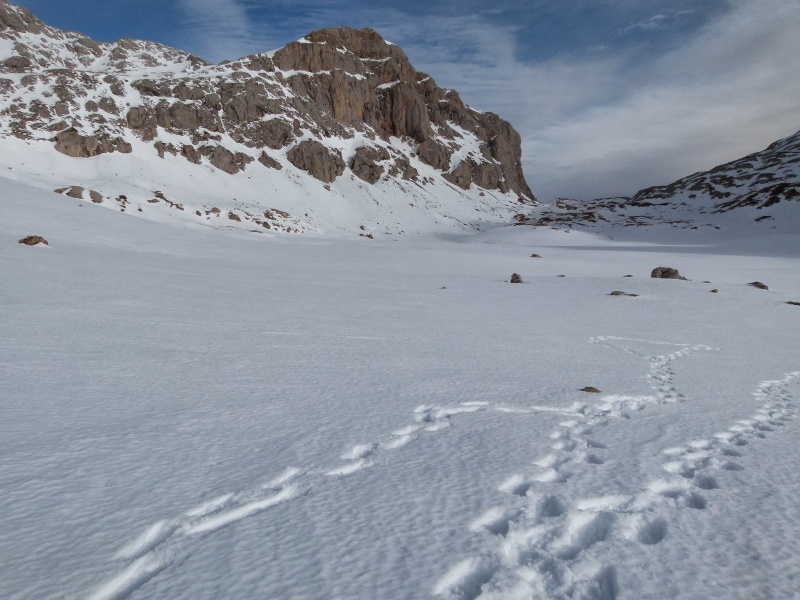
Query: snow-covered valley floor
point(207, 414)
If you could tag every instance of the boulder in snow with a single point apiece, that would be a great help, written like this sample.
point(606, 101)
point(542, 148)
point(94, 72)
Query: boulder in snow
point(666, 273)
point(33, 240)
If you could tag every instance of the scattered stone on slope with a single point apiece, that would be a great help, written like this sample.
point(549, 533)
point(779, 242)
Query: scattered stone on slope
point(793, 303)
point(516, 278)
point(317, 160)
point(619, 293)
point(33, 240)
point(666, 273)
point(534, 255)
point(715, 291)
point(274, 134)
point(627, 275)
point(758, 284)
point(590, 389)
point(74, 191)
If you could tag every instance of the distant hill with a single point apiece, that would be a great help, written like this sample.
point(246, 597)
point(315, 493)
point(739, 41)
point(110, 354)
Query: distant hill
point(760, 192)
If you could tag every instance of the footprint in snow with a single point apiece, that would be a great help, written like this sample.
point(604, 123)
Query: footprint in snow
point(544, 537)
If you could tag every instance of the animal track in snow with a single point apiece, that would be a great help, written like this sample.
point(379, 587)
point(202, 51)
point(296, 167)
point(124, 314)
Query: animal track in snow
point(661, 375)
point(542, 545)
point(540, 542)
point(167, 540)
point(696, 460)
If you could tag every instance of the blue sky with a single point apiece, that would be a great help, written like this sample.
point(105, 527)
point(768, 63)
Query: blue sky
point(609, 95)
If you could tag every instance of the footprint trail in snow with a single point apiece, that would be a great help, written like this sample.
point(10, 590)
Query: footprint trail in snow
point(169, 541)
point(539, 545)
point(541, 537)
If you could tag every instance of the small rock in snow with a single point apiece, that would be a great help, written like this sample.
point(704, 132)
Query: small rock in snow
point(619, 293)
point(33, 240)
point(666, 273)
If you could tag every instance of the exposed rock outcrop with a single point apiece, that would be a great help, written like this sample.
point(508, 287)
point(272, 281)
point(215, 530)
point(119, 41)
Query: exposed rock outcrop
point(434, 154)
point(72, 143)
point(227, 161)
point(365, 163)
point(318, 161)
point(290, 110)
point(666, 273)
point(269, 162)
point(461, 175)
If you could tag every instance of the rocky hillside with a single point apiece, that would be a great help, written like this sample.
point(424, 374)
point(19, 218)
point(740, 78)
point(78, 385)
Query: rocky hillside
point(758, 192)
point(336, 131)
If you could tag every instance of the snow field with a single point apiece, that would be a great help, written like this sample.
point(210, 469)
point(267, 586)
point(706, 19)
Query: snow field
point(196, 414)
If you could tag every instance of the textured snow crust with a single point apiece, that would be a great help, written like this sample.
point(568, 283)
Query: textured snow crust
point(197, 413)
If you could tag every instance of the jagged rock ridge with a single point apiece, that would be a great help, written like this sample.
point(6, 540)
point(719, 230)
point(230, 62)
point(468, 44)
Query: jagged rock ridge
point(761, 188)
point(339, 104)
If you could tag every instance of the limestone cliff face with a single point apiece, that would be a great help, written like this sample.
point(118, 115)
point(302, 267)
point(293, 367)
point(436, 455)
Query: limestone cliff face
point(361, 80)
point(338, 103)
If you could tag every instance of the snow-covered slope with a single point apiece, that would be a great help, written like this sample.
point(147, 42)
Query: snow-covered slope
point(191, 414)
point(757, 194)
point(333, 133)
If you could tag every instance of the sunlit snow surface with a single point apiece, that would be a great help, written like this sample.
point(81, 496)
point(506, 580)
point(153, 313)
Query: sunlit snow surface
point(208, 414)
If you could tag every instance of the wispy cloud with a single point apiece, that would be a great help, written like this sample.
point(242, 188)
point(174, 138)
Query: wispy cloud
point(593, 122)
point(731, 89)
point(658, 20)
point(610, 123)
point(651, 23)
point(218, 29)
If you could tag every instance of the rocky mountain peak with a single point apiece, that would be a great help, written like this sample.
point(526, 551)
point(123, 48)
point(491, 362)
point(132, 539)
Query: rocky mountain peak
point(18, 19)
point(342, 48)
point(340, 104)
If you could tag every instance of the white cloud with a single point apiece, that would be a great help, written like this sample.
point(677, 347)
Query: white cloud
point(601, 123)
point(651, 23)
point(217, 29)
point(612, 123)
point(729, 91)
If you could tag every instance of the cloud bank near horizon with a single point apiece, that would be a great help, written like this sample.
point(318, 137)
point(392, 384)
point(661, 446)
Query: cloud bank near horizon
point(609, 96)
